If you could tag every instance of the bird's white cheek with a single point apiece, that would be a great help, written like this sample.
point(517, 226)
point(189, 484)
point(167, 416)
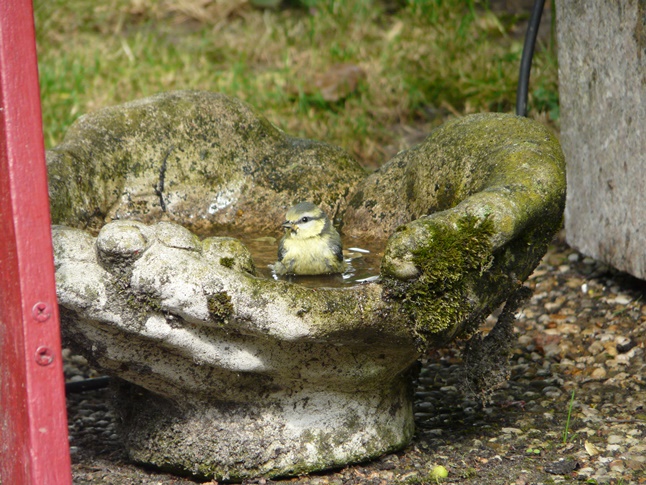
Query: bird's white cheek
point(309, 230)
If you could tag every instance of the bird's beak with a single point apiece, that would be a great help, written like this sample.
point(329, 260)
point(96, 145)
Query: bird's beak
point(287, 225)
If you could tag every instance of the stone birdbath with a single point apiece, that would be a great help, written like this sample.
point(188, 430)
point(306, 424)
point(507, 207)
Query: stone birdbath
point(221, 372)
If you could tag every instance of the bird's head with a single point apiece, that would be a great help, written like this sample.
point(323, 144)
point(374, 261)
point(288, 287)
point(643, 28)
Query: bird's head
point(305, 220)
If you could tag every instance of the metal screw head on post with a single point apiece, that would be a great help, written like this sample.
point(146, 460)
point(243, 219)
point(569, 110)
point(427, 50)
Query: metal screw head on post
point(44, 355)
point(41, 311)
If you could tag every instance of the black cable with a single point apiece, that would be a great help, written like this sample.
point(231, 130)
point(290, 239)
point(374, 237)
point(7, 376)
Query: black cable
point(86, 385)
point(526, 59)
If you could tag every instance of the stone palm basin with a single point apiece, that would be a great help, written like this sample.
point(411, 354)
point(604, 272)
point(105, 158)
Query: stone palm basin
point(222, 373)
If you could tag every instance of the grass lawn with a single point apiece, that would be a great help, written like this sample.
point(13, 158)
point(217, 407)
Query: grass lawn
point(372, 76)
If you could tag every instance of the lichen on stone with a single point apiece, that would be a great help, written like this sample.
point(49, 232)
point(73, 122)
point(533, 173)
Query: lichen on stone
point(220, 306)
point(139, 304)
point(230, 253)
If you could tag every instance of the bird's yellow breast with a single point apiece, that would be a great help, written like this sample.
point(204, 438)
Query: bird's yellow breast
point(309, 256)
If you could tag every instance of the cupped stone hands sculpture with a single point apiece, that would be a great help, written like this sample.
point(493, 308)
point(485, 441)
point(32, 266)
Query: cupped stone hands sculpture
point(226, 374)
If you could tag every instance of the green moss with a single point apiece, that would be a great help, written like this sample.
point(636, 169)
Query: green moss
point(452, 261)
point(454, 252)
point(220, 306)
point(227, 262)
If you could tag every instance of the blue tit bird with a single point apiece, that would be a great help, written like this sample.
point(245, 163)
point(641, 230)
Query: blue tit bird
point(311, 245)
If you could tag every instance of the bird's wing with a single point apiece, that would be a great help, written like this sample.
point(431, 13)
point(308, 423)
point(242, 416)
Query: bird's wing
point(337, 250)
point(281, 249)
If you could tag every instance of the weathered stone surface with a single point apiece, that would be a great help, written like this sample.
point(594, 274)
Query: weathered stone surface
point(225, 374)
point(602, 87)
point(511, 163)
point(244, 376)
point(204, 159)
point(471, 211)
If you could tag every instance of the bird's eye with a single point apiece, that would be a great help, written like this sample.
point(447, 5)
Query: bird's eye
point(304, 219)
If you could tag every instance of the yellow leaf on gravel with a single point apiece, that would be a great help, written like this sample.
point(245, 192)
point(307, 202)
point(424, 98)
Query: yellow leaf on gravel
point(591, 449)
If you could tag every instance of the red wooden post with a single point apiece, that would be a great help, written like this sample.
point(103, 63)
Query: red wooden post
point(34, 447)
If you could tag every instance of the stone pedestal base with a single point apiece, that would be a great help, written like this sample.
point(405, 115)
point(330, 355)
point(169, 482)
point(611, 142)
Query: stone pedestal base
point(304, 432)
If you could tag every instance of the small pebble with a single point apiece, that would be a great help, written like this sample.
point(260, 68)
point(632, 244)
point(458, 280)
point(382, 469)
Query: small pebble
point(599, 373)
point(622, 300)
point(551, 390)
point(625, 344)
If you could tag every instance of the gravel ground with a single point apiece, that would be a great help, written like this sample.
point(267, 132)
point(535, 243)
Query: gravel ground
point(579, 350)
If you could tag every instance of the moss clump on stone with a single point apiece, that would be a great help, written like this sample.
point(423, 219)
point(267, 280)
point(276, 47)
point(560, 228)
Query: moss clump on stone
point(227, 262)
point(453, 252)
point(451, 262)
point(220, 306)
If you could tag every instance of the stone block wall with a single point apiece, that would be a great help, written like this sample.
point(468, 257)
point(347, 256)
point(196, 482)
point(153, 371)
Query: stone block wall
point(602, 84)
